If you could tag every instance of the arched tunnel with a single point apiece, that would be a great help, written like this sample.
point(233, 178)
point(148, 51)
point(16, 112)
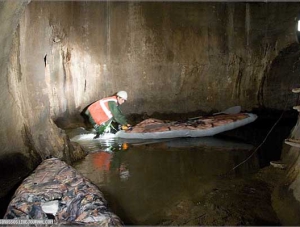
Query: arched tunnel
point(172, 58)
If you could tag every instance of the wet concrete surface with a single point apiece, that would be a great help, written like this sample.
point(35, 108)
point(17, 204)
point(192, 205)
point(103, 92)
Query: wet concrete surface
point(184, 181)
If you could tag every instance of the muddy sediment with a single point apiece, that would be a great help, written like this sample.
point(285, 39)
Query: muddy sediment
point(239, 201)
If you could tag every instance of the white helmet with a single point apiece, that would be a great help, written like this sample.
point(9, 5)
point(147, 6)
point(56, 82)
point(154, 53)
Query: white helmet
point(122, 94)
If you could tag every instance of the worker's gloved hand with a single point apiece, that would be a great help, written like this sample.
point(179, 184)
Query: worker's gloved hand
point(126, 127)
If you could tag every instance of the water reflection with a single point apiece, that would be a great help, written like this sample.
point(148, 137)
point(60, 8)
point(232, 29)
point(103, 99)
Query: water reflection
point(141, 179)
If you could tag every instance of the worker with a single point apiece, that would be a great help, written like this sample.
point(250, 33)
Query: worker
point(102, 112)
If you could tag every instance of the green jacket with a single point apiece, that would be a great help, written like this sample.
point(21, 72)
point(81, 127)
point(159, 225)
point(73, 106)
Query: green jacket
point(118, 116)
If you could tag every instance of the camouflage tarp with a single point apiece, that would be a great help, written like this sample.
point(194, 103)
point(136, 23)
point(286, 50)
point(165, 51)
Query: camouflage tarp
point(194, 127)
point(57, 191)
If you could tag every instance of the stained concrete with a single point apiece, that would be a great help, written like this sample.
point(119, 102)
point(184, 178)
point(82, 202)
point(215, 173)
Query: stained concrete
point(184, 56)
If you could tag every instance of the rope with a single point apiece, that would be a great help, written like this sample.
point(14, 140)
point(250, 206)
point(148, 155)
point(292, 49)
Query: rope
point(260, 143)
point(284, 110)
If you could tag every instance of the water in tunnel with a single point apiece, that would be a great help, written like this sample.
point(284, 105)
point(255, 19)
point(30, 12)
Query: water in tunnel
point(147, 182)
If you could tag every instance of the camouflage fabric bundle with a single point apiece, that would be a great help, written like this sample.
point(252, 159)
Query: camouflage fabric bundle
point(74, 199)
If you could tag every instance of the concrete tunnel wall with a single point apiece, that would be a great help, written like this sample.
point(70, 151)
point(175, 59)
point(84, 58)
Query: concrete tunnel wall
point(180, 56)
point(170, 56)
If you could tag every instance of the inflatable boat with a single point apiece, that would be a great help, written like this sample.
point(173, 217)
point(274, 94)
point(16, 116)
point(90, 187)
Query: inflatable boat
point(196, 127)
point(58, 194)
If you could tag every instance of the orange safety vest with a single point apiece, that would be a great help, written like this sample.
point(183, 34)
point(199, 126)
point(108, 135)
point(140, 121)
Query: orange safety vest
point(100, 111)
point(102, 160)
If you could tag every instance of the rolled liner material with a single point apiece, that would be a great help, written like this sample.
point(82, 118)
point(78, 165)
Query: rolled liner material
point(79, 201)
point(189, 133)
